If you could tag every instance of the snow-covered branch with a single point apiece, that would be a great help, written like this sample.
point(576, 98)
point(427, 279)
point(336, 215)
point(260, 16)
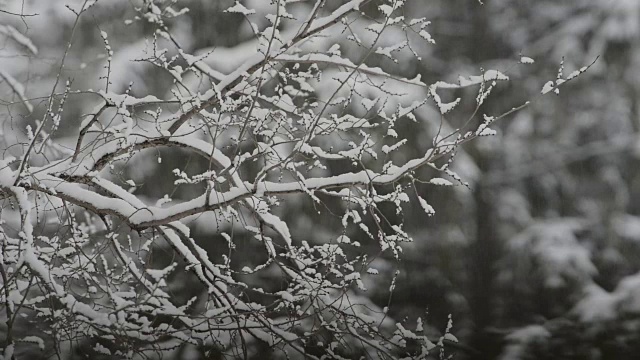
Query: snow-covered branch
point(110, 181)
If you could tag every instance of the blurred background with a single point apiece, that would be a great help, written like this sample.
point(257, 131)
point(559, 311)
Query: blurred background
point(538, 258)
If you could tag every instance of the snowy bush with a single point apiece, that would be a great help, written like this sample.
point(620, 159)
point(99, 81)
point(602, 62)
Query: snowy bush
point(95, 253)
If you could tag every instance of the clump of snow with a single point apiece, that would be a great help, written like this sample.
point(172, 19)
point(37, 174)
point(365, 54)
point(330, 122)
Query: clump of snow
point(526, 60)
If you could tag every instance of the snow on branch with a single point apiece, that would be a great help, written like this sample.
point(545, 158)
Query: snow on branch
point(317, 122)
